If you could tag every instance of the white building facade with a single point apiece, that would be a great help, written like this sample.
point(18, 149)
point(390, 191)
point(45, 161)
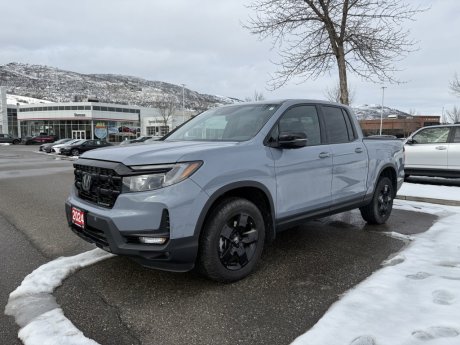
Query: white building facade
point(3, 111)
point(80, 120)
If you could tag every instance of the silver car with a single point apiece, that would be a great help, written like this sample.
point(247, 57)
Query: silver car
point(434, 151)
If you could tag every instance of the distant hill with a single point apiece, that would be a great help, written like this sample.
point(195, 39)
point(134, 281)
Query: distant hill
point(34, 83)
point(56, 85)
point(373, 112)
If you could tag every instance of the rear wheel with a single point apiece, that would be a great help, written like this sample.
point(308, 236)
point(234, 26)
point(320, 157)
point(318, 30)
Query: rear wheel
point(15, 141)
point(232, 240)
point(379, 209)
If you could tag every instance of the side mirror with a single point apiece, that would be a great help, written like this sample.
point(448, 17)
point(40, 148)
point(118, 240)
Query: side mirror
point(292, 140)
point(411, 141)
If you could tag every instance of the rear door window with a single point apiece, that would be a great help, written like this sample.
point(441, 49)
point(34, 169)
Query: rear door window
point(456, 135)
point(336, 125)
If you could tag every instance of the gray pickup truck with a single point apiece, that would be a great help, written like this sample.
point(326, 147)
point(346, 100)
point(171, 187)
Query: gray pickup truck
point(211, 193)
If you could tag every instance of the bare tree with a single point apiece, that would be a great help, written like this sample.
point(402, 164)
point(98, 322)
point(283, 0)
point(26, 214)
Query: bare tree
point(333, 94)
point(258, 96)
point(454, 85)
point(453, 115)
point(166, 105)
point(316, 36)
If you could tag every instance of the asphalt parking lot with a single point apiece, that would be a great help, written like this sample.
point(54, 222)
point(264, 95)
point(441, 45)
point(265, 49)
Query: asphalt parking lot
point(116, 301)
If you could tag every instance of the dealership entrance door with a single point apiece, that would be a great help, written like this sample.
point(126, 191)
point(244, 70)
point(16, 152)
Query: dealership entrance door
point(78, 135)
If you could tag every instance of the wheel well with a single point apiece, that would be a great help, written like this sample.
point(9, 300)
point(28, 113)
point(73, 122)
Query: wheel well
point(258, 198)
point(391, 174)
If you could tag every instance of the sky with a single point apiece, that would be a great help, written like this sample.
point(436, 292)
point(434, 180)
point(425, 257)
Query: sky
point(203, 45)
point(414, 294)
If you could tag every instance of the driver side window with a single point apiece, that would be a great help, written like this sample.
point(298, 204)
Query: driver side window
point(304, 119)
point(432, 135)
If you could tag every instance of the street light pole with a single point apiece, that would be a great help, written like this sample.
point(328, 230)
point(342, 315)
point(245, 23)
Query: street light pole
point(183, 104)
point(381, 111)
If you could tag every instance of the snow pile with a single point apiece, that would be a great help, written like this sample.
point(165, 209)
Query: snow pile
point(430, 191)
point(414, 299)
point(35, 309)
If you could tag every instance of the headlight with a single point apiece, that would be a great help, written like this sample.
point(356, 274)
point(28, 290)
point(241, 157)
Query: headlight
point(167, 175)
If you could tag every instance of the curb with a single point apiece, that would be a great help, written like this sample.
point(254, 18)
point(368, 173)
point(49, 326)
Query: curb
point(429, 200)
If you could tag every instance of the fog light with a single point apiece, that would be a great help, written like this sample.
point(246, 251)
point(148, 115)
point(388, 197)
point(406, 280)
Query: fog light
point(152, 240)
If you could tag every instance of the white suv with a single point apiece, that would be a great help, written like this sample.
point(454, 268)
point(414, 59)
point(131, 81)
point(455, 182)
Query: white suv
point(434, 151)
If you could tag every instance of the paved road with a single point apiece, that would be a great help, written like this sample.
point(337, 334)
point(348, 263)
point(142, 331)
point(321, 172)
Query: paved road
point(117, 302)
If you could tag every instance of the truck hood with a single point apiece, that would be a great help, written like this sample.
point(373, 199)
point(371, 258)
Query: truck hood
point(160, 152)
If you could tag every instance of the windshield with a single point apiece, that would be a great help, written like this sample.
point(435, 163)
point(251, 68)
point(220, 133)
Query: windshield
point(231, 123)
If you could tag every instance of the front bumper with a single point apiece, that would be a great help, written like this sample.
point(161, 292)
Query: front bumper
point(142, 214)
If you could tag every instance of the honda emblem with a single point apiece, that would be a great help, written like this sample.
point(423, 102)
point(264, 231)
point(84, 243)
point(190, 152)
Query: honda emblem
point(86, 182)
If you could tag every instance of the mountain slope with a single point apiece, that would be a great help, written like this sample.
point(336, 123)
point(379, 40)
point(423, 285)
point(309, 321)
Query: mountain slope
point(58, 85)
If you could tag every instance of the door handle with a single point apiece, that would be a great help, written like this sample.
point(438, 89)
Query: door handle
point(324, 155)
point(440, 147)
point(359, 150)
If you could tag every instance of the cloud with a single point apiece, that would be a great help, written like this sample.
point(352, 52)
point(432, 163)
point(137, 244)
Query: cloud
point(202, 44)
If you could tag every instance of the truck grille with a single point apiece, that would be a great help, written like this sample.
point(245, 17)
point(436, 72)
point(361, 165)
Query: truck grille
point(103, 187)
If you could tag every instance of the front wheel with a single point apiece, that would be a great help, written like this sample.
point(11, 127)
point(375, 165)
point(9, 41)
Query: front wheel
point(75, 152)
point(379, 209)
point(232, 240)
point(15, 141)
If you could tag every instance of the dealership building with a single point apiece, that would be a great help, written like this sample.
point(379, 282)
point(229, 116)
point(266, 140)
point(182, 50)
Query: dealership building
point(80, 120)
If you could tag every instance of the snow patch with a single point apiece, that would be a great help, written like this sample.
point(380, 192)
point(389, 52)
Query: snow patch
point(415, 298)
point(36, 310)
point(53, 328)
point(430, 191)
point(22, 100)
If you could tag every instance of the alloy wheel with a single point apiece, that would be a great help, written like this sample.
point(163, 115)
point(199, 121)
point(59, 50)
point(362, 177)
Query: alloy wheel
point(238, 242)
point(385, 200)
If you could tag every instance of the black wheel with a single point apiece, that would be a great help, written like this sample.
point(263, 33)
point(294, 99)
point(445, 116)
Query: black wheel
point(232, 240)
point(15, 141)
point(74, 152)
point(379, 209)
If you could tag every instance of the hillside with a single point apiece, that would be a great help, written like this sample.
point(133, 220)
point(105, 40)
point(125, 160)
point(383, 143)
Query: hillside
point(56, 85)
point(373, 112)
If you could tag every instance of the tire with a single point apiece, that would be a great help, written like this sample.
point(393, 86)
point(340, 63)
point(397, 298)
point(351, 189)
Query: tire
point(15, 142)
point(379, 209)
point(232, 241)
point(74, 152)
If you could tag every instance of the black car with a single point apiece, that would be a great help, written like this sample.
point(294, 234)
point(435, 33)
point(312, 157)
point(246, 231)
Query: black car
point(7, 138)
point(47, 147)
point(82, 146)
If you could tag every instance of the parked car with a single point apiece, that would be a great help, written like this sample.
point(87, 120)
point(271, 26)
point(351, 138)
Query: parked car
point(49, 146)
point(57, 148)
point(79, 147)
point(41, 139)
point(152, 139)
point(137, 140)
point(434, 151)
point(8, 138)
point(214, 191)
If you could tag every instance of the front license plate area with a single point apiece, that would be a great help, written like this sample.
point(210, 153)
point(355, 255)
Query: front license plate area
point(78, 217)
